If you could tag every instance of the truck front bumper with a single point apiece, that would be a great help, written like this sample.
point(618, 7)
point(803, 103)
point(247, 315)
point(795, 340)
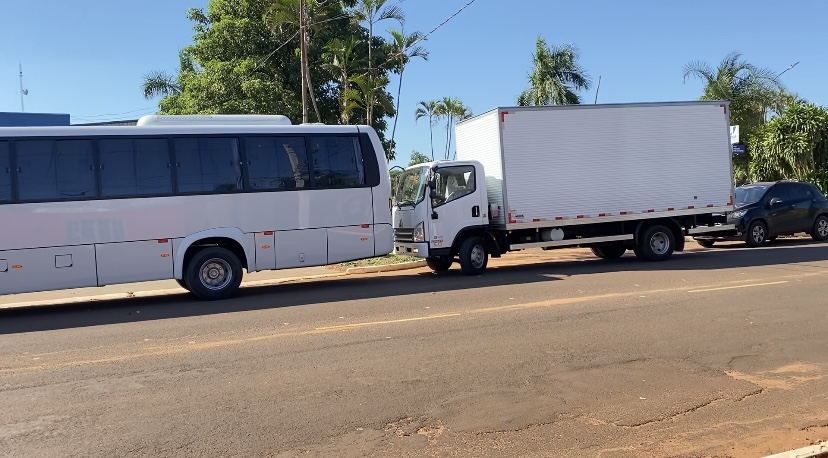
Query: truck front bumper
point(411, 249)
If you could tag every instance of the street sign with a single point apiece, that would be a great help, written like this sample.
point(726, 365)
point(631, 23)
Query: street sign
point(734, 135)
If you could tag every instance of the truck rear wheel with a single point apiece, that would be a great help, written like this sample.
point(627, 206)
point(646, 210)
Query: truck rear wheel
point(609, 251)
point(656, 243)
point(439, 263)
point(473, 256)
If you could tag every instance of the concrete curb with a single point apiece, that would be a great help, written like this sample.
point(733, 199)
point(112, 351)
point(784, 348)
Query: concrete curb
point(815, 451)
point(385, 268)
point(165, 292)
point(156, 292)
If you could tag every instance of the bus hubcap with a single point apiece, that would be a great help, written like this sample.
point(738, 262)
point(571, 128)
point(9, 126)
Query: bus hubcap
point(216, 274)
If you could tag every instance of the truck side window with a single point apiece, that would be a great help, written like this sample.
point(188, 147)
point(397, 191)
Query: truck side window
point(453, 183)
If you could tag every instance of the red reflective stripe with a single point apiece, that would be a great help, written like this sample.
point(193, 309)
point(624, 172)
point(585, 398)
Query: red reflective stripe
point(670, 209)
point(503, 116)
point(650, 211)
point(558, 218)
point(580, 216)
point(623, 213)
point(163, 240)
point(366, 226)
point(267, 233)
point(602, 214)
point(691, 206)
point(709, 205)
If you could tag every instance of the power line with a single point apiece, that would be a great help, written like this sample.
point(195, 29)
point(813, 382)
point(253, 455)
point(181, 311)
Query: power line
point(423, 37)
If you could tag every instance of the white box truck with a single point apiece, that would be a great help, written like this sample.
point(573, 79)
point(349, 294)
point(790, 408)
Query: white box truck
point(612, 177)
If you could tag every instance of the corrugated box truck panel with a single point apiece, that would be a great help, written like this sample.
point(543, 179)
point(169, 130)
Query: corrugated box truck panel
point(604, 160)
point(480, 141)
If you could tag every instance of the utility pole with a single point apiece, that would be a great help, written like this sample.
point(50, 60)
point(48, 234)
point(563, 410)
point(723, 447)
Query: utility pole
point(22, 91)
point(303, 56)
point(597, 89)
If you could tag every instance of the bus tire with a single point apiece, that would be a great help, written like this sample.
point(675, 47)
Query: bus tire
point(213, 273)
point(182, 284)
point(474, 256)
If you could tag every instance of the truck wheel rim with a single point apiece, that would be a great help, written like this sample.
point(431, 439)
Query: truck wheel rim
point(216, 274)
point(822, 227)
point(659, 243)
point(758, 233)
point(477, 256)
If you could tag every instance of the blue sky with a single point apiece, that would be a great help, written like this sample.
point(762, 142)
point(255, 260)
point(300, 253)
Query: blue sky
point(87, 58)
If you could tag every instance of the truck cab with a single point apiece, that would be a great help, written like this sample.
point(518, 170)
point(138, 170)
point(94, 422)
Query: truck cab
point(437, 205)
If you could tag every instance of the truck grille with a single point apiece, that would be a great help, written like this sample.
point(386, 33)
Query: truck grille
point(402, 234)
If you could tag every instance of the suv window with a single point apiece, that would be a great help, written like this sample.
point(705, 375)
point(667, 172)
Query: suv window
point(801, 192)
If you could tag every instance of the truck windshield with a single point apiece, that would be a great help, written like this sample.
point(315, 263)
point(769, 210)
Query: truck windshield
point(411, 187)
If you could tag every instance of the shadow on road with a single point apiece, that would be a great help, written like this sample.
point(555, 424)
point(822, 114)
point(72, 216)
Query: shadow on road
point(725, 256)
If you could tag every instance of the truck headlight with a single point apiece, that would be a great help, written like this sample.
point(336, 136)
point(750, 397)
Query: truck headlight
point(738, 214)
point(419, 233)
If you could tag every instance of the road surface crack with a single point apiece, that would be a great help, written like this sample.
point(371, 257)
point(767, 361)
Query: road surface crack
point(675, 415)
point(752, 393)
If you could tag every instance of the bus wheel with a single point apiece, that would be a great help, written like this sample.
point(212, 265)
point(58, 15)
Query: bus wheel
point(473, 256)
point(182, 284)
point(214, 273)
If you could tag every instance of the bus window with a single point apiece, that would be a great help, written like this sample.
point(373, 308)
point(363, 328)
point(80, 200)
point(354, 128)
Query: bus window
point(55, 169)
point(5, 173)
point(337, 162)
point(277, 162)
point(132, 167)
point(208, 164)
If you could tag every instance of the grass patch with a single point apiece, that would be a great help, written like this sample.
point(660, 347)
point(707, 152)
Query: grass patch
point(378, 261)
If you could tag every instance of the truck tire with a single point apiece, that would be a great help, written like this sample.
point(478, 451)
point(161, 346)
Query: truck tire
point(820, 230)
point(213, 273)
point(609, 251)
point(656, 243)
point(439, 263)
point(473, 256)
point(757, 234)
point(707, 243)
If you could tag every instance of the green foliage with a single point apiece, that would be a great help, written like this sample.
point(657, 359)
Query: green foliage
point(418, 158)
point(245, 60)
point(793, 145)
point(556, 76)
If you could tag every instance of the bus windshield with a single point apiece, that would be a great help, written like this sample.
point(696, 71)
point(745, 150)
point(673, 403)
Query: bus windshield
point(411, 187)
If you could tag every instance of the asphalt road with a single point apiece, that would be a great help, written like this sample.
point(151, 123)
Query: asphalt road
point(717, 352)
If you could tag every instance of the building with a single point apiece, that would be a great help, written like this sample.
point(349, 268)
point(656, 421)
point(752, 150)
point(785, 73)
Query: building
point(21, 119)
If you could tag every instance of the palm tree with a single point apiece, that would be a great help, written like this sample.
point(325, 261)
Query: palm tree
point(369, 93)
point(403, 50)
point(749, 89)
point(429, 109)
point(341, 59)
point(373, 11)
point(555, 77)
point(452, 109)
point(160, 84)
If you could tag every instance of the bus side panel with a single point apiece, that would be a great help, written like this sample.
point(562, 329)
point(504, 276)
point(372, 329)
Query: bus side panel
point(349, 243)
point(383, 239)
point(134, 261)
point(301, 248)
point(265, 251)
point(44, 269)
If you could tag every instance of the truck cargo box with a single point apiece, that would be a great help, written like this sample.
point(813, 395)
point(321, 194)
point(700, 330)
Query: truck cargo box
point(581, 164)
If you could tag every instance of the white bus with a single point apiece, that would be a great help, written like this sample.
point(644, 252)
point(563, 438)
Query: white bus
point(191, 198)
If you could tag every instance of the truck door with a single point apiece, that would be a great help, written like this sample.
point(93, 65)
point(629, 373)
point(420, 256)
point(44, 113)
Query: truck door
point(459, 203)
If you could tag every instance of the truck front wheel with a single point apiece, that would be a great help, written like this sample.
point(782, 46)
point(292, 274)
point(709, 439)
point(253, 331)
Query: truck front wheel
point(439, 263)
point(656, 243)
point(473, 256)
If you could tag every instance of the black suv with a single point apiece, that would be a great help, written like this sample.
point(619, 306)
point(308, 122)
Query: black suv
point(764, 211)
